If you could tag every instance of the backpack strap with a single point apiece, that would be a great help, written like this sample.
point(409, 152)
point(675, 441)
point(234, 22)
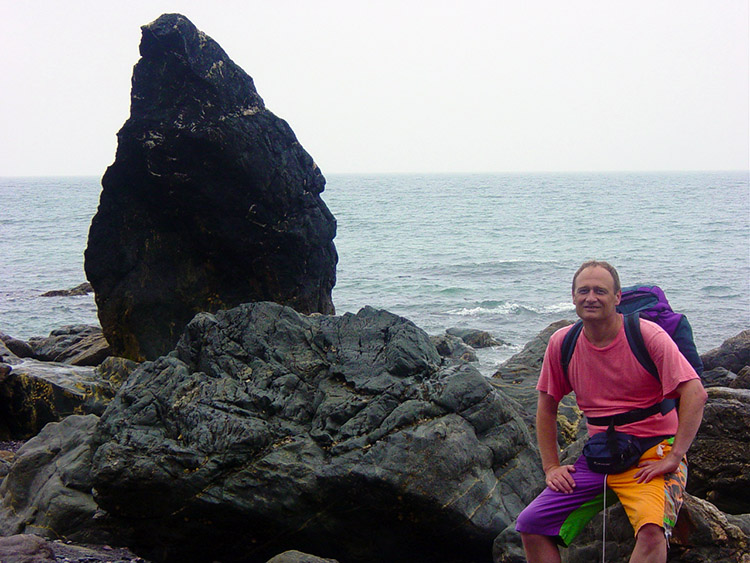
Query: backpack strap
point(637, 345)
point(569, 345)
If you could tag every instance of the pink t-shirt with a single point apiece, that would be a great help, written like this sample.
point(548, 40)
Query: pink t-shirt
point(610, 380)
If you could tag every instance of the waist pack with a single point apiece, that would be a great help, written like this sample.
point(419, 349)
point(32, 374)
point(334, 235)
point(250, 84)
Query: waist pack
point(613, 452)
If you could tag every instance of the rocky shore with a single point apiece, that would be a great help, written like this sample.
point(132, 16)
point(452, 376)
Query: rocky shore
point(267, 432)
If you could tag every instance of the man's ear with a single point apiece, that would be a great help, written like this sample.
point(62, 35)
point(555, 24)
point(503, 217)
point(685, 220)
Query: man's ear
point(618, 297)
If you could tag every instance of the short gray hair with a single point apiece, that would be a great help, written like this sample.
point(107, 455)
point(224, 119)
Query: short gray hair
point(598, 263)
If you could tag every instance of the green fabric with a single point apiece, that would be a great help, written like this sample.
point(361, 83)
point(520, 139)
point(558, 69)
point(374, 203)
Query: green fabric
point(577, 520)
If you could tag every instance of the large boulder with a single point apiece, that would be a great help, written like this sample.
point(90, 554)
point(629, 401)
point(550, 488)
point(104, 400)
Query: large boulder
point(266, 430)
point(211, 201)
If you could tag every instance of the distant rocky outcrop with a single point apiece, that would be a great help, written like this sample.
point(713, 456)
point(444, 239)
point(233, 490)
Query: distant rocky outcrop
point(476, 338)
point(266, 430)
point(81, 289)
point(211, 201)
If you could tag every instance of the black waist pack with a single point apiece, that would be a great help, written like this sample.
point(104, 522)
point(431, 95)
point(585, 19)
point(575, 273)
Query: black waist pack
point(613, 452)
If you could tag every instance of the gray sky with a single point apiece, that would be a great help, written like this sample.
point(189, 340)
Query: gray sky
point(406, 86)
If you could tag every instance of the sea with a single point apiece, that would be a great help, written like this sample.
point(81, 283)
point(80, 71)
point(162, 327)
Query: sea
point(493, 252)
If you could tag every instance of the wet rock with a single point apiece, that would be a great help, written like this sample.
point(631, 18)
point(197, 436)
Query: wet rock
point(453, 348)
point(211, 201)
point(476, 338)
point(82, 289)
point(13, 347)
point(266, 430)
point(77, 345)
point(36, 393)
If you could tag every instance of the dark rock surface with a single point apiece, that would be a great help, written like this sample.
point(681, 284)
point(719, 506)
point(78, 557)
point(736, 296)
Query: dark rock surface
point(82, 289)
point(476, 338)
point(732, 355)
point(35, 393)
point(211, 201)
point(452, 347)
point(267, 430)
point(742, 381)
point(48, 489)
point(718, 377)
point(25, 549)
point(14, 348)
point(78, 345)
point(517, 377)
point(720, 455)
point(29, 548)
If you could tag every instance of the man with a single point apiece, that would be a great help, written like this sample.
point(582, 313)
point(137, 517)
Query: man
point(608, 380)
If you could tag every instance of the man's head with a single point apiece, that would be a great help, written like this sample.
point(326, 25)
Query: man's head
point(596, 291)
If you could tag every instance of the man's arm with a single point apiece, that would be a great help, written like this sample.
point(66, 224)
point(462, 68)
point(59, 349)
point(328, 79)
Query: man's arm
point(692, 399)
point(557, 477)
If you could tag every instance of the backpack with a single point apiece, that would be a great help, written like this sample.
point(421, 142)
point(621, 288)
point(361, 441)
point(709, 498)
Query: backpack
point(649, 302)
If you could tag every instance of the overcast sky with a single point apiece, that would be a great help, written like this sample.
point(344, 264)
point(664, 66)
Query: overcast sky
point(406, 86)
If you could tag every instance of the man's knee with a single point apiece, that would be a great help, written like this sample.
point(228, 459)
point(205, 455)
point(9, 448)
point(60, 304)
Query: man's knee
point(651, 536)
point(540, 548)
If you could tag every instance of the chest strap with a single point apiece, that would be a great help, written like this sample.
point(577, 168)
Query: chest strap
point(635, 415)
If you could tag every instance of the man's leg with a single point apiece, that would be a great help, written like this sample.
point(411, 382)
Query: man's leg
point(540, 549)
point(650, 545)
point(555, 518)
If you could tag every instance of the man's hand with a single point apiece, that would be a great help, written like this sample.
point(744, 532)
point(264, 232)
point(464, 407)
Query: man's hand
point(559, 478)
point(651, 469)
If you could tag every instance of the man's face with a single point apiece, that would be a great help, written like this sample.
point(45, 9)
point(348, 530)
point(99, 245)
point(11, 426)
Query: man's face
point(594, 295)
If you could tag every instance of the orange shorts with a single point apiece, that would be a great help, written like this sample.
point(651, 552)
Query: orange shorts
point(656, 502)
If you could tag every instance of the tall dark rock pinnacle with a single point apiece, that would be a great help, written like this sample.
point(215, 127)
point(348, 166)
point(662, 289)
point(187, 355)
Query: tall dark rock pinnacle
point(211, 201)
